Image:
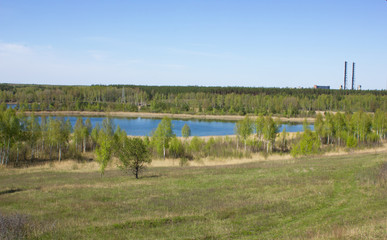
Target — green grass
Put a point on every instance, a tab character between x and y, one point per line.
343	197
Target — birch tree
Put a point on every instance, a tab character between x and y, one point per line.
163	135
244	129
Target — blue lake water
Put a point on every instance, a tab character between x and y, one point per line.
145	126
12	105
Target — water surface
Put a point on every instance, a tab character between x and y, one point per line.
144	126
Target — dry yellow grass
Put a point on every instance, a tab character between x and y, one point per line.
219	161
372	230
76	166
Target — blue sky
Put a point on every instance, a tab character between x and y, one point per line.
208	43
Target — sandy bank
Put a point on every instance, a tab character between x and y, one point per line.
161	115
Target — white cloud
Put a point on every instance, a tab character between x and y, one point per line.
13	48
47	65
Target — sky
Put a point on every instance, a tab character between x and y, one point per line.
247	43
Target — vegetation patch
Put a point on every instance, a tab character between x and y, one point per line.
319	197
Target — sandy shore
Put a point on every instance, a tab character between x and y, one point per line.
161	115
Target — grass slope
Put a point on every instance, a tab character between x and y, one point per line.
339	197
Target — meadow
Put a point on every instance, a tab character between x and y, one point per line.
326	197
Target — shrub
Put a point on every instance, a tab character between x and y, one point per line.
196	144
351	142
176	148
308	144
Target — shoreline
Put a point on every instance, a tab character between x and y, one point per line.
161	115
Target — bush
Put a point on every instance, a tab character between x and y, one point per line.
196	144
176	148
351	142
308	144
209	146
255	145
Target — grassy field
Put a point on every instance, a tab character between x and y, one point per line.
337	197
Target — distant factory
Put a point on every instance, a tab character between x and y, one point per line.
345	87
322	87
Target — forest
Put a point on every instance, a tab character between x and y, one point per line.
192	99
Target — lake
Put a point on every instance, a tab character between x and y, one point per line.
145	126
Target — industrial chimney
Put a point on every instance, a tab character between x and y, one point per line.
345	75
353	76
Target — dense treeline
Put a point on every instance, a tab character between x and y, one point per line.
24	140
192	99
342	130
337	130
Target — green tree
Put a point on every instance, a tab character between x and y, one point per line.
85	136
308	144
94	135
44	124
78	133
176	148
379	123
52	132
283	139
319	125
340	127
108	126
259	125
10	130
62	139
104	149
270	131
88	125
329	127
87	133
244	129
361	124
119	136
186	131
58	134
134	155
34	134
163	135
